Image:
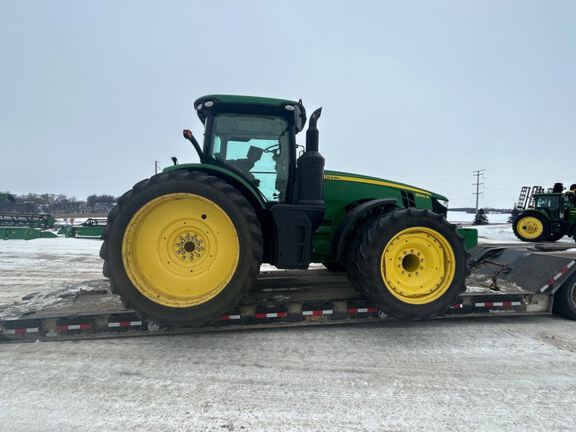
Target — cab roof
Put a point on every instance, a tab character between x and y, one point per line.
238	103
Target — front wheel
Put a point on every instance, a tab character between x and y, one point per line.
411	263
531	227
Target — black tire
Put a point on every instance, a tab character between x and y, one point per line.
364	266
555	237
543	220
354	271
227	198
334	266
565	299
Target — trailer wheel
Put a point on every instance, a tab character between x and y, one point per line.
565	300
531	227
182	248
411	263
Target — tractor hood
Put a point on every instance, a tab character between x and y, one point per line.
375	181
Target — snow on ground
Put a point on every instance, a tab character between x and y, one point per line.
45	265
494	374
460	217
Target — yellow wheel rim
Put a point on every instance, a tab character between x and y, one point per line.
180	250
418	265
530	227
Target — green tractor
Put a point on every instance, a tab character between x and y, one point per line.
184	246
552	216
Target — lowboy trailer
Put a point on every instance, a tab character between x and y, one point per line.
504	281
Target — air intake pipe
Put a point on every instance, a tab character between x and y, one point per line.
310	172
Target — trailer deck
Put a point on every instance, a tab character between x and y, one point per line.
504	281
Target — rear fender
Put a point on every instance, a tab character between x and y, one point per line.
534	212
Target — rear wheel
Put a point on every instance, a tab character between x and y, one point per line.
411	263
182	248
565	300
531	227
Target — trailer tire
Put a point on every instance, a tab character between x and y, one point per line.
182	248
411	263
565	299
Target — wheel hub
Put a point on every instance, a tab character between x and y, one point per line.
189	246
530	227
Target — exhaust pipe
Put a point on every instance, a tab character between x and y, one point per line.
312	134
310	172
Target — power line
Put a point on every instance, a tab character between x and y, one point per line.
73	178
478	174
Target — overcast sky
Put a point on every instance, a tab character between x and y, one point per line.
423	92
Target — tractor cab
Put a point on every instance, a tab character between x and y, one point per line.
557	206
255	138
550	203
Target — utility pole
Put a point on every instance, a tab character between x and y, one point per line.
478	174
156	167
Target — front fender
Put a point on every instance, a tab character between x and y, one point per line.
349	221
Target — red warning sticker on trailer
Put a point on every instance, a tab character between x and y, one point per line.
318	312
122	324
362	310
68	327
498	304
272	315
557	276
21	331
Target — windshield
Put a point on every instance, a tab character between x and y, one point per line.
257	146
547	201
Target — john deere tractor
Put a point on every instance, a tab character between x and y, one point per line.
552	217
184	246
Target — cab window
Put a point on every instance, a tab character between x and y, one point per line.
256	146
547	201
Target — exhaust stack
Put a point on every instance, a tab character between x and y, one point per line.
310	173
312	133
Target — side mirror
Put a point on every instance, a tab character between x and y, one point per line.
190	137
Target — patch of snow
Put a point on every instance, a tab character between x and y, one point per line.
464	218
41	300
